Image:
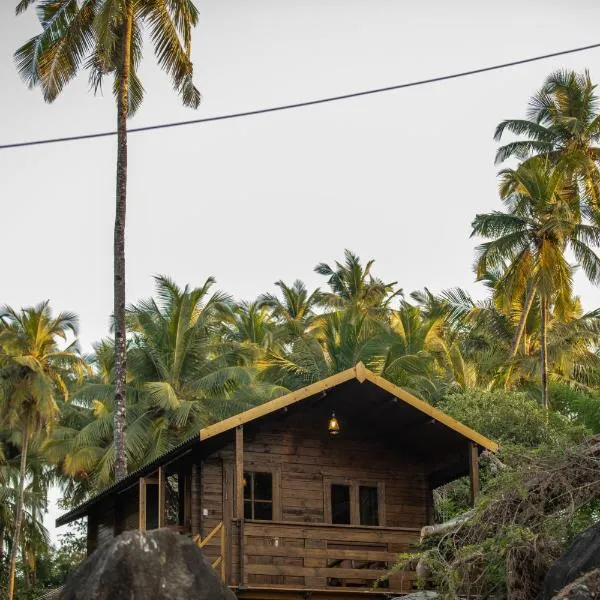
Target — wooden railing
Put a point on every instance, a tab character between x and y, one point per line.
319	556
219	562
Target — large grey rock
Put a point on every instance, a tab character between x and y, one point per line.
154	565
584	588
583	556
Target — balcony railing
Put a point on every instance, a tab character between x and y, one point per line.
318	556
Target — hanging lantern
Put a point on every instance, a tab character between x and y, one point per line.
334	425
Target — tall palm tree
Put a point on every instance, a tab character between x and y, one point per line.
562	125
543	220
105	37
37	372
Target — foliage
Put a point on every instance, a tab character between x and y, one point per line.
521	525
52	566
513	419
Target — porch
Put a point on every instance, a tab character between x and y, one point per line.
277	559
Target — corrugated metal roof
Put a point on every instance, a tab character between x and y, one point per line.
126	482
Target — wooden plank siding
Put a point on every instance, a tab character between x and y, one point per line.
299	548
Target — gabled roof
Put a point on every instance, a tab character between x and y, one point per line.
358	373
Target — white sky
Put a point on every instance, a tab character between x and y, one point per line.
396	177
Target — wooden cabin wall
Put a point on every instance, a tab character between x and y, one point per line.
304	456
303	459
101	524
127	510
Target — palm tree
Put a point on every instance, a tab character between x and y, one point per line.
36	372
181	376
105	37
295	311
543	221
562	125
352	285
249	324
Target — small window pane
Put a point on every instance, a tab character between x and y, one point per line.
369	508
247	509
340	504
258	496
247	486
263	486
263	510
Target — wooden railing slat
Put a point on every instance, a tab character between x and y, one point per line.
220	560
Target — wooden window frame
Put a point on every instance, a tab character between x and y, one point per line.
354	485
276	489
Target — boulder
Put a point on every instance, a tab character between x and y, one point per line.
583	556
153	565
584	588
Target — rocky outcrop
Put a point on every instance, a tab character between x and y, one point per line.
584	588
582	557
153	565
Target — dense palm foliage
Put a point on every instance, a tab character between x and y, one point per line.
35	370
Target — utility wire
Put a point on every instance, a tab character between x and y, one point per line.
262	111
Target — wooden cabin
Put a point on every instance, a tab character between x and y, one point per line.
313	494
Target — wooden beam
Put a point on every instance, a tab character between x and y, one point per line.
361	372
142	504
162	492
474	471
239	473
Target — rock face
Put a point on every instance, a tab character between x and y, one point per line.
584	588
582	557
154	565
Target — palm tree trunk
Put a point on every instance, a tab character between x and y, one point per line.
520	330
19	514
119	252
544	352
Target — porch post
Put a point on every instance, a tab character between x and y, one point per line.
196	509
161	497
474	471
142	505
239	473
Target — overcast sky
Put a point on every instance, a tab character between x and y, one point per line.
397	177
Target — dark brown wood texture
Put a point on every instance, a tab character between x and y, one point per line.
304	460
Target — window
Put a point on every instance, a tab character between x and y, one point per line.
340	504
258	496
349	502
368	505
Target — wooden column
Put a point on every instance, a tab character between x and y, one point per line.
196	500
162	491
474	471
239	474
142	505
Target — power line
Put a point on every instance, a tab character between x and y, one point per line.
262	111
